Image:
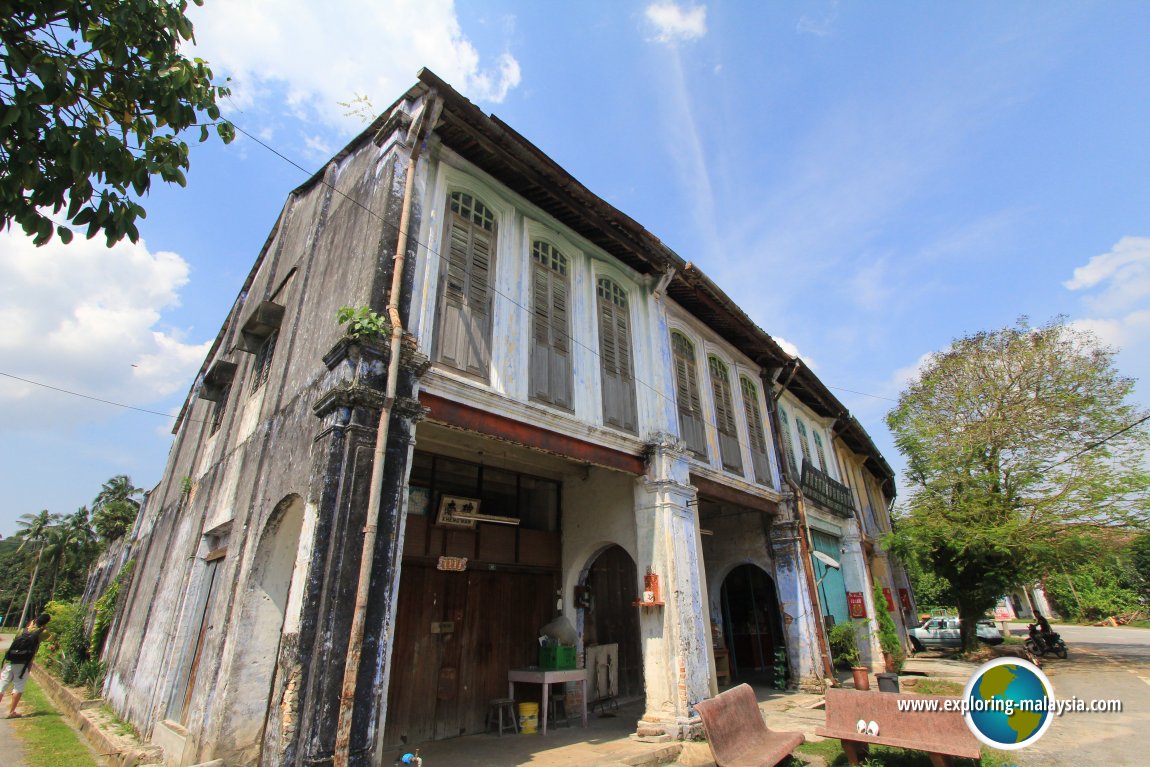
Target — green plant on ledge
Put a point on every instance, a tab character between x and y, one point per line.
362	322
887	633
844	644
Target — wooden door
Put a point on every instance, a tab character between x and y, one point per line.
456	636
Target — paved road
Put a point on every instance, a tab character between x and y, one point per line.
1104	663
11	751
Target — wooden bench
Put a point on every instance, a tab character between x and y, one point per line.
737	733
941	734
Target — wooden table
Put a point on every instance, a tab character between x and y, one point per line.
546	677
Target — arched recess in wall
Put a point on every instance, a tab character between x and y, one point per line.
610	617
752	629
260	630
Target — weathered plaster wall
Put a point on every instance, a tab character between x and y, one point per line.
325	252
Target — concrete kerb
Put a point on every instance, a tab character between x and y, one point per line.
86	716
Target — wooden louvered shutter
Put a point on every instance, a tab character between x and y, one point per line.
551	336
729	450
687	395
804	442
788	444
615	358
757	436
464	340
561	371
819	452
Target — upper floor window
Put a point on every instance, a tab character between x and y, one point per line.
757	437
618	372
550	326
788	443
804	441
691	425
465	311
820	453
263	362
729	449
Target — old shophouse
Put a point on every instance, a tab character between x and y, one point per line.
577	421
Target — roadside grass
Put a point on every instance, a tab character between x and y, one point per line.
883	756
928	686
48	740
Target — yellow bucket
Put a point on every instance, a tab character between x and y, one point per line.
528	718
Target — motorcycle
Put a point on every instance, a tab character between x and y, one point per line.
1041	642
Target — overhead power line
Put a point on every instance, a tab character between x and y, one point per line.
87	396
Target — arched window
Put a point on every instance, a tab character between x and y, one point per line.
757	437
618	373
550	326
725	415
692	428
464	328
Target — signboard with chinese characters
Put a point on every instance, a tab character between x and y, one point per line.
855	604
904	597
889	600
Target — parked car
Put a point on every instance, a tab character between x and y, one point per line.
943	631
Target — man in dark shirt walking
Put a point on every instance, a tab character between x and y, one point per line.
18	660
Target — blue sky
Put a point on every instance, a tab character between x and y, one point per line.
869	180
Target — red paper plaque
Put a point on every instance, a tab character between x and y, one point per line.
889	600
904	597
856	604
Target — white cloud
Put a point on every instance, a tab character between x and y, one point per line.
674	23
905	376
793	350
320	54
87	318
1116	289
1126	271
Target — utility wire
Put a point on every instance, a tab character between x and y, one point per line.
493	289
1100	442
88	396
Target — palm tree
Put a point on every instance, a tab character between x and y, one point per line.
69	543
115	508
34	529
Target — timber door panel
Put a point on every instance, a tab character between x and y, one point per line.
613	618
441	682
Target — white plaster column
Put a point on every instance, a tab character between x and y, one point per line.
676	636
857	578
800	614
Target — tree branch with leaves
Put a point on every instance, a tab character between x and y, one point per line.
93	99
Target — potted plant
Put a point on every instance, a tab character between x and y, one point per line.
844	646
893	652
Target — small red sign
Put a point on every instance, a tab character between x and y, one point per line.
889	600
452	564
904	597
855	604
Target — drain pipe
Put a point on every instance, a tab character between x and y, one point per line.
341	756
801	510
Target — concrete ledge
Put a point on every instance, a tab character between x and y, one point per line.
85	716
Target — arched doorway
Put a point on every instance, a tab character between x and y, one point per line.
612	618
262	621
751	623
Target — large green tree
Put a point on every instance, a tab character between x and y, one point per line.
93	98
1019	443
